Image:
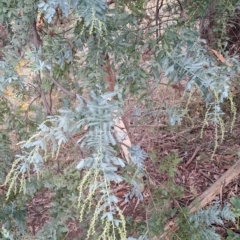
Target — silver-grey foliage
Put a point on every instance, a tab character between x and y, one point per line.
201	223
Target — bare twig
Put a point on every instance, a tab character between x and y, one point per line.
50	98
26	113
43	96
206	176
193	156
180	5
73	95
157	16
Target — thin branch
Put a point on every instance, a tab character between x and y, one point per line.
156	18
158	7
26	113
193	156
206	176
50	98
180	5
43	96
73	95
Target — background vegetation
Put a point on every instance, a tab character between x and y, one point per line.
86	88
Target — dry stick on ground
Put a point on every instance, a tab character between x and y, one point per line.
206	176
193	156
205	197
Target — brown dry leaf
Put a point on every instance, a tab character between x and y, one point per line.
215	176
229	158
218	158
121	193
220	57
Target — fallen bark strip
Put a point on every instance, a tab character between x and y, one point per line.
121	130
205	197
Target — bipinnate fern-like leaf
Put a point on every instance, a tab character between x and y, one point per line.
138	156
93	120
227	213
201	223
